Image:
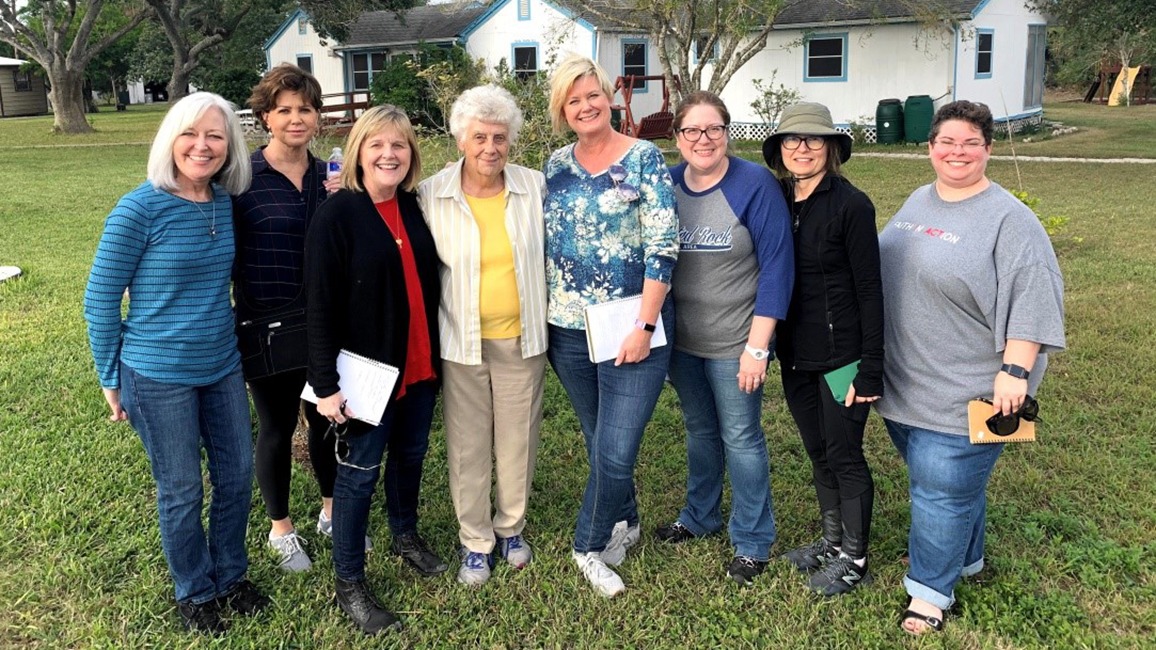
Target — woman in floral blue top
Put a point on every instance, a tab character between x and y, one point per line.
611	232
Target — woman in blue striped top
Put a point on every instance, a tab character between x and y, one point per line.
171	366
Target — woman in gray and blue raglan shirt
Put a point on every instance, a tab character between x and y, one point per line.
974	305
171	366
731	286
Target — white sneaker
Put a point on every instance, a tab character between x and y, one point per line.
621	538
293	556
325	527
604	579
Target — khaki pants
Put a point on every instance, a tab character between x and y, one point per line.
492	414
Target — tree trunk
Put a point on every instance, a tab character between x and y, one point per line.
68	101
179	82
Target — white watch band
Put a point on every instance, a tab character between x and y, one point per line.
758	354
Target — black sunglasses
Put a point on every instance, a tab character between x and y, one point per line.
1005	425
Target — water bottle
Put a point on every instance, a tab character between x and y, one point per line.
336	159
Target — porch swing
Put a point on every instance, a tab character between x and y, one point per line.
655	126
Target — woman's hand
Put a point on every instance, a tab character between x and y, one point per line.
852	398
1008	393
333	408
752	372
332	184
112	396
635	348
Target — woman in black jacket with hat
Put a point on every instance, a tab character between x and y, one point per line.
831	345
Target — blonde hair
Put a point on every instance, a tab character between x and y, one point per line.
370	123
568	72
234	175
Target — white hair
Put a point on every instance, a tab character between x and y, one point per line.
234	175
488	103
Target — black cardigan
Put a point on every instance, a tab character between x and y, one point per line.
355	285
836	313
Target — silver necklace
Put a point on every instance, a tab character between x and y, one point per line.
212	223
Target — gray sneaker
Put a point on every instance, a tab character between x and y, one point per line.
475	569
293	556
515	550
621	539
325	527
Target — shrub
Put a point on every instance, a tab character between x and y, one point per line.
770	101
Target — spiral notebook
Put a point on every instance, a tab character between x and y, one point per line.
609	323
977	414
365	383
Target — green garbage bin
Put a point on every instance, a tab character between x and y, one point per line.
917	113
889	121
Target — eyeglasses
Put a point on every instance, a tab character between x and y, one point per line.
694	134
1005	425
947	144
792	142
626	191
341	446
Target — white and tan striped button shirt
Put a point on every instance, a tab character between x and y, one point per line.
458	242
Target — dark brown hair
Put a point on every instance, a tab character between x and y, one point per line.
283	77
700	97
974	113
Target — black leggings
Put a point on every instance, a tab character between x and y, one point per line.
833	437
277	399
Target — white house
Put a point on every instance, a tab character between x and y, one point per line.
21	92
848	58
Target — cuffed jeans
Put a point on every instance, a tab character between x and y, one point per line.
174	422
404	430
723	423
613	405
948	487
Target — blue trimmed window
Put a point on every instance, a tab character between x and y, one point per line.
525	58
700	45
634	61
523	9
302	25
363	65
305	62
825	58
984	53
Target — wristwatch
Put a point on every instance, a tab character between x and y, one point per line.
758	354
643	325
1019	372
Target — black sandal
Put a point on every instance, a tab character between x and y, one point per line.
933	623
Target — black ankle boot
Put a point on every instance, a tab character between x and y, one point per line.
358	603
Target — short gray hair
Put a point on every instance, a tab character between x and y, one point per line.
234	175
488	103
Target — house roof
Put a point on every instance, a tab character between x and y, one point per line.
5	61
812	12
429	23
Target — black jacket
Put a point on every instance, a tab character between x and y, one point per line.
836	313
355	285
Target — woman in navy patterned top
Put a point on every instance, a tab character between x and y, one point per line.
611	232
171	367
271	220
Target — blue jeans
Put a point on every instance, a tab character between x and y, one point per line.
948	487
723	423
613	405
405	431
174	422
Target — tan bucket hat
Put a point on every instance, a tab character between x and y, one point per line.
806	118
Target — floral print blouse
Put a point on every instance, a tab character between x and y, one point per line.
606	232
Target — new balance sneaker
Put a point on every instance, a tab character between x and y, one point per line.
290	547
475	568
674	533
594	568
812	557
515	550
325	527
744	569
621	539
204	618
839	576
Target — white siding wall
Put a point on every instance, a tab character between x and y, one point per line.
1004	91
551	31
645	101
327	66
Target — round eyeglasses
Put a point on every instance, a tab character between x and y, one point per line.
694	134
792	142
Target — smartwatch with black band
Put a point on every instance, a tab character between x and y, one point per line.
1019	372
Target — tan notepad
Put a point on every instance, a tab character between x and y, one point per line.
977	414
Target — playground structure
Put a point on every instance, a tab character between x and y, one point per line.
1105	84
655	126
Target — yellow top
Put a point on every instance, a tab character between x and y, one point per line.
498	286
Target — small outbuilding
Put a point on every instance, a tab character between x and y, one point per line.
21	92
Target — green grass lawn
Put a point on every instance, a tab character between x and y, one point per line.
1071	518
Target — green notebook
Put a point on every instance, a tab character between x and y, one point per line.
840	380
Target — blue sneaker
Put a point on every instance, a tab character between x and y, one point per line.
515	550
475	569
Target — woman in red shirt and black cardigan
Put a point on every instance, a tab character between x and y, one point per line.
372	284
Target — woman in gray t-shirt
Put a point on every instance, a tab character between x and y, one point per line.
974	304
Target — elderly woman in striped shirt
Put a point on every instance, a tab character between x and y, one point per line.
486	218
